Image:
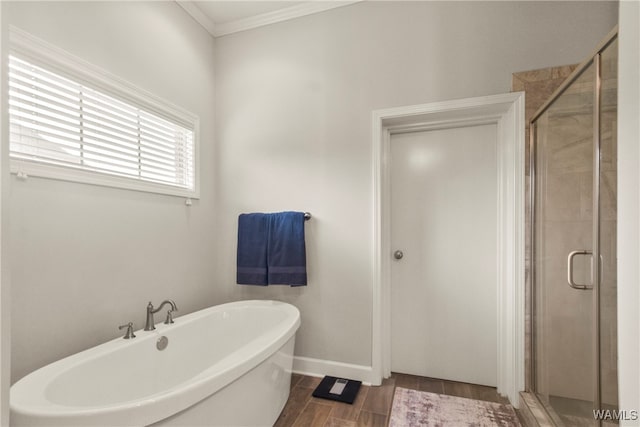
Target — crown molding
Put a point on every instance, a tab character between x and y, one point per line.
197	14
263	19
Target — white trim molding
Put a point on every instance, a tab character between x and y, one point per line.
320	368
251	22
506	111
200	17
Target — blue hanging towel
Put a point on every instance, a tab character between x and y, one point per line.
286	255
253	236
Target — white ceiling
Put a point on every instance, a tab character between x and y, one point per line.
221	17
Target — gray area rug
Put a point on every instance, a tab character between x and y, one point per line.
418	408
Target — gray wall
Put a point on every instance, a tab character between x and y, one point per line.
85	259
293	119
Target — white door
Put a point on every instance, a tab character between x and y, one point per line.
444	283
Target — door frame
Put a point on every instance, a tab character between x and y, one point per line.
506	111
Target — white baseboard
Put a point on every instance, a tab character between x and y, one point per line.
320	368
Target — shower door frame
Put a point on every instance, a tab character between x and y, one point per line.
595	60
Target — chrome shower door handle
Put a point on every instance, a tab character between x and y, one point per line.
573	284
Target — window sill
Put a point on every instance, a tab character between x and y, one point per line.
23	169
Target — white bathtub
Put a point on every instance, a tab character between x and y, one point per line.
228	365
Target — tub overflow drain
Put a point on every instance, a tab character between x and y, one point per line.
162	343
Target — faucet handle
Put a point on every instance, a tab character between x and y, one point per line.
169	319
129	333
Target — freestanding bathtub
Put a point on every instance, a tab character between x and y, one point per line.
227	365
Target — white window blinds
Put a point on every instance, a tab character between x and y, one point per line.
61	122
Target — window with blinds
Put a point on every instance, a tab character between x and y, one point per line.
62	123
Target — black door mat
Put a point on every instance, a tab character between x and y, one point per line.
339	389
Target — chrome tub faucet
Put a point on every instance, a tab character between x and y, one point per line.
150	324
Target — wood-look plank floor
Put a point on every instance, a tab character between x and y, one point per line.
372	406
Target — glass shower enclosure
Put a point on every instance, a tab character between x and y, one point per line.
573	219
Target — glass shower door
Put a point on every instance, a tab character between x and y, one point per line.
574	331
563	243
